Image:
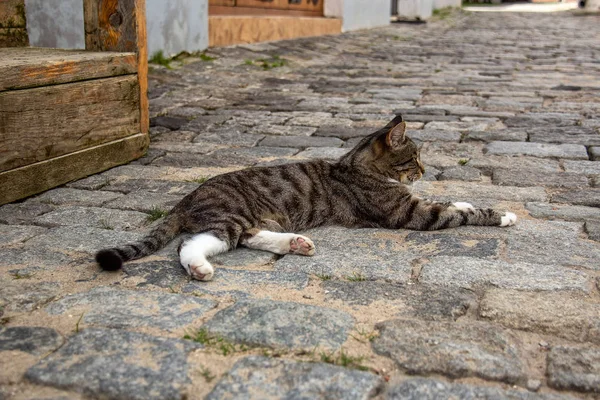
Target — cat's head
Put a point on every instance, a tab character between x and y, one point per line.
389	152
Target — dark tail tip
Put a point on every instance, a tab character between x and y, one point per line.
109	260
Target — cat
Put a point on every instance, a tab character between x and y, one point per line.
261	207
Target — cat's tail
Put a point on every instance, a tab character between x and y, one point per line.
112	259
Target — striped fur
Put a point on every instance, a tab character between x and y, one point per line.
365	188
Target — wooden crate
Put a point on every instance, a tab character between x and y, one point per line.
68	114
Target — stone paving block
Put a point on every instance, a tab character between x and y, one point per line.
428	244
505	135
421	301
81	239
94	182
203	122
169	122
551	243
117	364
429	135
241	283
326	153
470	192
93	217
165	274
173	137
21	295
23	213
34	256
146	201
457	350
117	308
462	126
593	230
13	234
231	135
341	253
75	197
279	324
462	173
226	157
33	340
569	213
569	151
537	119
570	315
504	177
594	152
582	167
241	257
345	132
317	119
198	148
574	368
258	377
487	164
564	134
467	272
153	186
433	389
301	141
582	197
283	130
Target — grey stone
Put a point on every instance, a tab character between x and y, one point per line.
23	213
570	315
172	123
467	272
226	157
197	148
232	135
431	173
594	153
243	257
471	192
317	119
582	167
173	137
593	230
242	284
433	389
165	274
258	377
428	244
429	135
151	155
76	197
33	340
504	177
569	151
301	141
94	182
34	256
20	295
326	153
82	239
117	308
574	368
564	134
488	163
463	173
106	363
13	234
537	119
283	130
279	324
203	122
430	118
461	126
583	197
421	301
505	135
344	132
569	213
452	349
93	217
551	243
368	253
145	201
153	186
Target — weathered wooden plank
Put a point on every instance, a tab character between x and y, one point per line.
42	123
227	3
36	178
31	67
142	41
13	32
111	25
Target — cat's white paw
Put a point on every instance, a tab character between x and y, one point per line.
202	271
194	262
508	219
462	206
302	245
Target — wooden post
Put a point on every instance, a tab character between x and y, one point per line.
13	30
120	25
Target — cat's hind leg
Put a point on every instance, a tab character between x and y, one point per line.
278	242
193	254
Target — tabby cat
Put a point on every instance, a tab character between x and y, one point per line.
258	207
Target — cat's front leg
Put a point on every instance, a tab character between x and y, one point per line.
508	219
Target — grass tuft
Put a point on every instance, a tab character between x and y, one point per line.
216	342
206	57
356	277
18	275
463	161
200	180
344	360
160	59
324	277
156	213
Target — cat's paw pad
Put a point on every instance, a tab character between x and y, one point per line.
462	206
201	271
508	219
302	245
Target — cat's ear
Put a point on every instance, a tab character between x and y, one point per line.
396	135
397	119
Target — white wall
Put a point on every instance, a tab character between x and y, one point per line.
55	23
177	25
359	14
446	3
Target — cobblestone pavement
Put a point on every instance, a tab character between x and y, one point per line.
507	107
